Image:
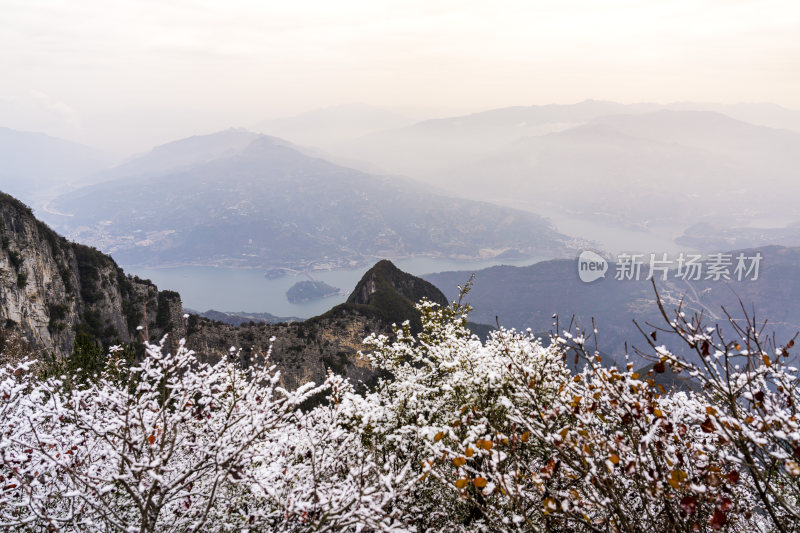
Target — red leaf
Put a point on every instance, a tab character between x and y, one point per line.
707	426
726	504
689	504
719	519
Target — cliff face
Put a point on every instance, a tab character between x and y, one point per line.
51	288
302	351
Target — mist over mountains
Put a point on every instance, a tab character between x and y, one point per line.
329	189
659	168
181	154
438	142
239	199
329	127
635	166
34	165
646	168
710	237
400	266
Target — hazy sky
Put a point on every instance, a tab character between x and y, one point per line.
125	74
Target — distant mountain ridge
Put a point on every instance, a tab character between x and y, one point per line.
266	204
641	165
183	153
528	297
332	125
240	317
711	237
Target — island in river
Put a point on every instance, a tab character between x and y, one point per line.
308	291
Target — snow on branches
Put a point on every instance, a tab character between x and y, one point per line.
496	435
168	445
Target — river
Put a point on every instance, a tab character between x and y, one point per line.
232	289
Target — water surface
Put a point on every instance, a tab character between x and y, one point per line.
232	289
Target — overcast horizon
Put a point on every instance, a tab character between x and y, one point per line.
124	76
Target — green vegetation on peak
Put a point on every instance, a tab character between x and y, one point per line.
384	275
393	293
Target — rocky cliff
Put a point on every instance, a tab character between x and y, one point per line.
303	351
51	288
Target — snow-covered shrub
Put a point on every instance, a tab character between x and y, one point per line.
444	408
324	473
495	435
169	447
503	436
750	395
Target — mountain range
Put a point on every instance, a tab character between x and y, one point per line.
601	171
630	165
332	126
598	168
712	237
237	318
245	200
530	297
51	290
